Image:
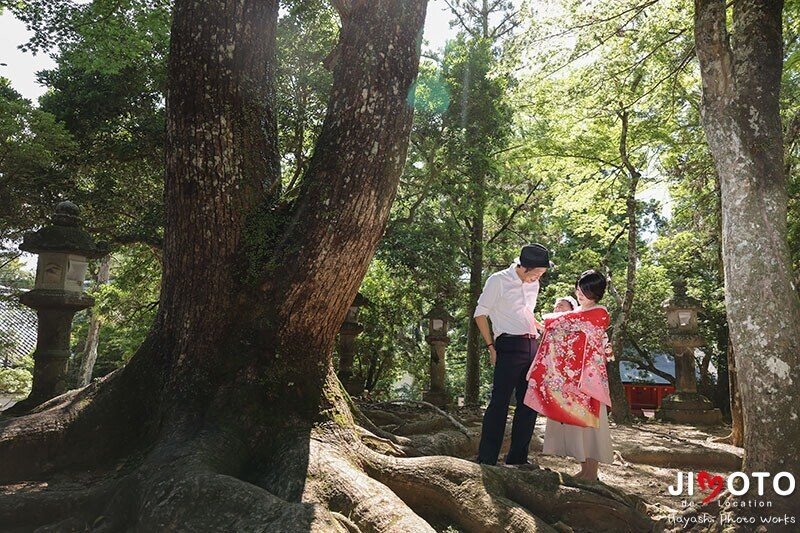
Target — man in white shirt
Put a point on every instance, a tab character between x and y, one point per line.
509	299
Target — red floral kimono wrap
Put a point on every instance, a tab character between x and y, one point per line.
567	380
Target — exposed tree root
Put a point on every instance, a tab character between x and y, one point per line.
441	413
422	428
447	489
63	432
448	442
382	417
384	446
451	491
480	498
344	488
684	459
206	501
347	487
29	443
372	429
330	476
28	507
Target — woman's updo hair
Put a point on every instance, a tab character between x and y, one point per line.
592	284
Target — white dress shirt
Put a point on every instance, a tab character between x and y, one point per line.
509	303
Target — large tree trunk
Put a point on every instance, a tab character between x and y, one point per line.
740	113
229	417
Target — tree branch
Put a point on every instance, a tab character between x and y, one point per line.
713	50
646	362
638	8
461	20
514	212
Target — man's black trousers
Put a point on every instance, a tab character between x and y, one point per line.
514	358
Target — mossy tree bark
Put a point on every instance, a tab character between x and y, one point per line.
229	416
741	73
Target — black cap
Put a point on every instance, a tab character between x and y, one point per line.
535	255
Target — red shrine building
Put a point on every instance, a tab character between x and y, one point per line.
644	389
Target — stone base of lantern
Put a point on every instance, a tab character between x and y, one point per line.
439	398
689	408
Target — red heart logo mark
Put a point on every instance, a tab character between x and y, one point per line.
707	481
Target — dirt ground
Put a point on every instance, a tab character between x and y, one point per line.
650	480
648	456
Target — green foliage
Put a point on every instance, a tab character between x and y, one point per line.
519	125
126	307
106	35
393	340
263	232
307	32
16	381
12	273
790	110
648	328
33	146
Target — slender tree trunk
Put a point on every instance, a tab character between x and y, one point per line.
377	365
720	392
481	139
93	336
474	341
734	398
740	113
620	409
704	386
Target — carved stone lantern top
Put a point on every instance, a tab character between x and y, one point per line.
679	296
63	235
64	250
682	316
438	321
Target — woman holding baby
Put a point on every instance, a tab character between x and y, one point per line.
567	381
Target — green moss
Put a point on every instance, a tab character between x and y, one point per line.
342	421
264	227
337	404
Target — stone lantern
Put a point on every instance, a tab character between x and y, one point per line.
438	325
64	251
347	335
685	405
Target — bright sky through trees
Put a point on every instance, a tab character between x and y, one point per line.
21	67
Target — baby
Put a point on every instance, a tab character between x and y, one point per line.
564	304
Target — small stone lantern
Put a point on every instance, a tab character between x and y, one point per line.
682	311
347	334
439	321
64	251
685	405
